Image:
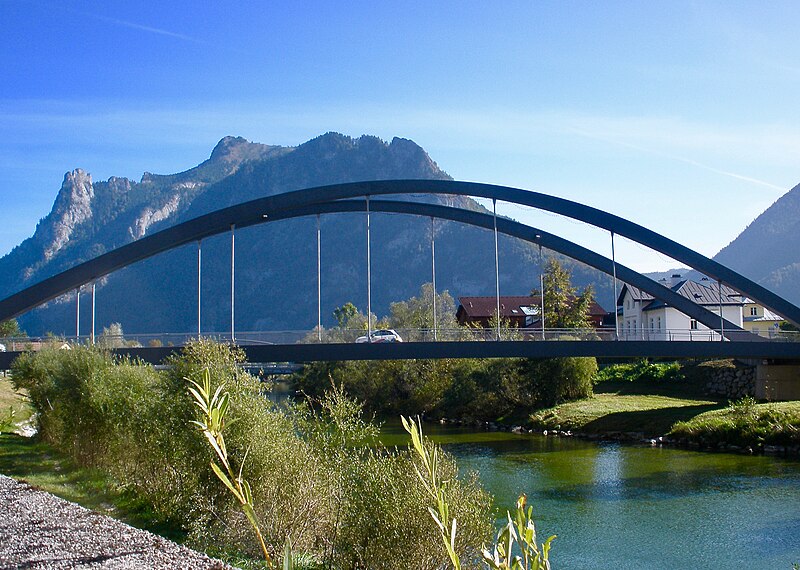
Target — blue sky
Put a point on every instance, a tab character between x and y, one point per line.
680	115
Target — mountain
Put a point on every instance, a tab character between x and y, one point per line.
768	250
275	262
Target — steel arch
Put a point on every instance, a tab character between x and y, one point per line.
259	210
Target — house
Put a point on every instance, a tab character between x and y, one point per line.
522	312
759	320
643	317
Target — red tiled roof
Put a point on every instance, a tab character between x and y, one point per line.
485	307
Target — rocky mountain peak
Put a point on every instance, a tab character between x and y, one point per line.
406	151
72	207
233	151
228	146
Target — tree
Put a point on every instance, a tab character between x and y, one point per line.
563	307
112	336
417	312
348	318
10	329
345	314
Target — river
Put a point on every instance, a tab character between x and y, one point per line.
625	507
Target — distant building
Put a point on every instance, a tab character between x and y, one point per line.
522	312
641	316
759	320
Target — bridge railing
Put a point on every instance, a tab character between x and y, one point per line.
335	335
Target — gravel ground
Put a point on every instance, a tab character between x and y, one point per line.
39	530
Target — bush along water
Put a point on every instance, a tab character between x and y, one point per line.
311	481
469	389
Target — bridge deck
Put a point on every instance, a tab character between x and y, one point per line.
774	350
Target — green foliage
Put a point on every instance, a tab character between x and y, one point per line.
417	312
388	388
311	481
10	329
563	306
213	409
508	331
472	389
557	380
345	314
8	421
520	530
641	371
112	336
743	423
436	488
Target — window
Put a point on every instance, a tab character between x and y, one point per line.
753	312
659	323
693	324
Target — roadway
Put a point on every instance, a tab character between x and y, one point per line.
770	350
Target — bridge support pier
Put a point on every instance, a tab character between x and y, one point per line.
778	381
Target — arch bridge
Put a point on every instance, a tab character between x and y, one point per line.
361	197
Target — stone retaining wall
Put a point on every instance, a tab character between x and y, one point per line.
733	382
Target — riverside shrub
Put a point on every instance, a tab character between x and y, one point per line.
470	389
315	483
641	371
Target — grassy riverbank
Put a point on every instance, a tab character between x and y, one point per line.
42	466
678	409
745	423
646	399
13	408
650	415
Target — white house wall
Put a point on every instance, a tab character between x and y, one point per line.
635	324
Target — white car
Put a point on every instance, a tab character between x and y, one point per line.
383	335
2	348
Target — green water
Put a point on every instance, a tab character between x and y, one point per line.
619	506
